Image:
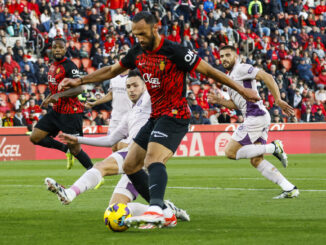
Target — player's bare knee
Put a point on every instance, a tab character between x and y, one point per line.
229	153
74	149
34	138
255	161
107	168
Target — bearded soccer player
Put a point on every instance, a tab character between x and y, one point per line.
128	128
249	140
164	66
67	111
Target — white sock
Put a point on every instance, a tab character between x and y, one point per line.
250	151
137	208
87	181
156	209
270	172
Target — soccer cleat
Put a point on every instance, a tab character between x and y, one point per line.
148	220
70	159
170	222
279	153
99	184
179	213
288	194
57	189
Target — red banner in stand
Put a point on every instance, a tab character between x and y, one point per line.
202	140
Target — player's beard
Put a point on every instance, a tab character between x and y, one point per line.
151	43
230	65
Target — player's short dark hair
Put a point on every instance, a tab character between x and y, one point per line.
60	38
147	16
134	73
229	47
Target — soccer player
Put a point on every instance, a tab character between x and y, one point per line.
67	111
112	165
121	103
164	66
249	140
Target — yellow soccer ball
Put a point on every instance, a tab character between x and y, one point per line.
115	216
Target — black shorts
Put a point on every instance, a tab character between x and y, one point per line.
53	122
167	131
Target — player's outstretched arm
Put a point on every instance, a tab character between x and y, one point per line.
215	98
104	99
207	70
272	86
99	75
67	93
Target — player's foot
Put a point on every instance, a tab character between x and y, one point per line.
57	189
171	222
70	159
288	194
148	220
279	153
99	184
179	213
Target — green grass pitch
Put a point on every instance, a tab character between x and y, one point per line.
229	203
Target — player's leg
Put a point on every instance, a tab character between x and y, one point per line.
42	131
112	165
75	127
164	139
270	172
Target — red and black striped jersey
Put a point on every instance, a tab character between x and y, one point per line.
164	71
57	72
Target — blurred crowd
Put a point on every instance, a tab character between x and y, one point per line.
285	38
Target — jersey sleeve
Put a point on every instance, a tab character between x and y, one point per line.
246	72
185	59
129	60
72	70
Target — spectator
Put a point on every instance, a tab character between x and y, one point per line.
255	7
224	117
99	120
198	119
4	107
19	119
10	64
307	116
276	114
321	93
318	117
305	73
7	121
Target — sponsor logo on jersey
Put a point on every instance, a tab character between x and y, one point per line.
154	82
174	111
58	70
162	65
190	57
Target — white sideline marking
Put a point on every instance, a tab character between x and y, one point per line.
181	187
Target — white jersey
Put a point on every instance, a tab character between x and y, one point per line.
121	103
245	75
132	122
128	127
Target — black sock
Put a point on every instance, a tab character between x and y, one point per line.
49	142
84	159
140	182
158	179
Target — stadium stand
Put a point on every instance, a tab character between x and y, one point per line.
285	38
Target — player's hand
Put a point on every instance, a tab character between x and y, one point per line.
214	98
89	104
51	99
68	139
286	108
67	83
250	95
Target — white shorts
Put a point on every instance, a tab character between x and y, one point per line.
125	187
253	130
